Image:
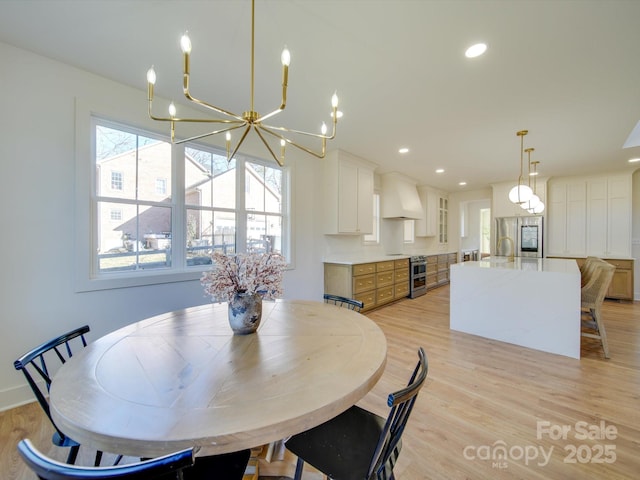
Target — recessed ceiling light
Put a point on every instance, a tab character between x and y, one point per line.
462	184
475	50
403	150
440	170
634	160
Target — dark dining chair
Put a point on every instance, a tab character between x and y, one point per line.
168	467
349	303
38	367
358	444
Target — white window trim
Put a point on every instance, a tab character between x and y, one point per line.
134	117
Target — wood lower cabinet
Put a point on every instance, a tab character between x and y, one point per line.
438	269
401	278
621	287
622	282
374	284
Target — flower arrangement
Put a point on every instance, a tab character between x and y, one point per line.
250	273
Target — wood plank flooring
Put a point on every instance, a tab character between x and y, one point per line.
482	398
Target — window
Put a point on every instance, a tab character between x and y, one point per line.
485	231
409	231
116	215
179	203
161	186
116	181
374	238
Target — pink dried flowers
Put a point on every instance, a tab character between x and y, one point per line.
259	273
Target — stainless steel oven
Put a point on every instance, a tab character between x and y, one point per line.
418	276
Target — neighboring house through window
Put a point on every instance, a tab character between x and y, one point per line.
178	204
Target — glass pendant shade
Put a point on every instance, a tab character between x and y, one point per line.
539	208
533	202
520	194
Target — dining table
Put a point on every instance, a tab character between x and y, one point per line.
182	379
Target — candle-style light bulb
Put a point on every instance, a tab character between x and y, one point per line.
185	44
151	76
334	100
172	110
285	57
323	129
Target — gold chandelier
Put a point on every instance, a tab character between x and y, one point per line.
249	120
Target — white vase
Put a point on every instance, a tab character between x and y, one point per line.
245	313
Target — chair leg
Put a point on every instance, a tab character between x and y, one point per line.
601	331
73	454
98	459
299	467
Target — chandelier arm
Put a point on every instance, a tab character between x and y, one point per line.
268	115
244	135
266	144
208	134
204	104
291	142
300	132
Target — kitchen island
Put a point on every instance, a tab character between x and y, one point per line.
531	302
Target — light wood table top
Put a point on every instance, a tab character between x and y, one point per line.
182	379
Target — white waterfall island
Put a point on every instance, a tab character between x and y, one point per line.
532	302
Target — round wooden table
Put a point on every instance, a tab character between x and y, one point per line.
182	379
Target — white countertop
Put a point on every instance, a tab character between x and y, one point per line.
555	265
354	259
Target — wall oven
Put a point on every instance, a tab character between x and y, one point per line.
418	276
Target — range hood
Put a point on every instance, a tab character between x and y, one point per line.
400	197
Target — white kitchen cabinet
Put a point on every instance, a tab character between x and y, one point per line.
609	216
434	221
348	194
590	216
567	219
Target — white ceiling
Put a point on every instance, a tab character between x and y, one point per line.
568	71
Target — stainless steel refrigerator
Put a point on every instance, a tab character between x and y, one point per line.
518	236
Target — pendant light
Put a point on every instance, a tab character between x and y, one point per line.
521	193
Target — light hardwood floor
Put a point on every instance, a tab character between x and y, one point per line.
480	395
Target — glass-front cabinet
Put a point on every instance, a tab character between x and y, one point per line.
443	220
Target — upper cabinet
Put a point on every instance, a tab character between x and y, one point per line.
609	216
590	216
567	219
434	221
348	194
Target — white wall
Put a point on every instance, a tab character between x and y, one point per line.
37	185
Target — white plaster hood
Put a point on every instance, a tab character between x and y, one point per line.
400	197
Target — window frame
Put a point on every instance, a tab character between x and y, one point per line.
87	278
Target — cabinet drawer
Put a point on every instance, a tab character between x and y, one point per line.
443	259
432	268
401	290
443	277
402	275
383	279
404	263
384	266
384	295
368	299
621	264
364	283
453	258
364	269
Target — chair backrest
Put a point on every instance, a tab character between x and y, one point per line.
593	293
39	364
401	403
168	467
349	303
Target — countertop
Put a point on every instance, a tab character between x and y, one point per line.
555	265
354	259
